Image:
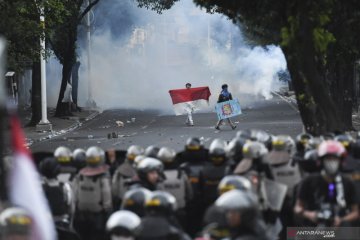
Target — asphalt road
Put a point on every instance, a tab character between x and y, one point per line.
275	116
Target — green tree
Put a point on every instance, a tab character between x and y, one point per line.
63	41
21	27
319	40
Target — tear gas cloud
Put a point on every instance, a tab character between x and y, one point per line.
135	63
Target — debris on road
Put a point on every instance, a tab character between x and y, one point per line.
120	123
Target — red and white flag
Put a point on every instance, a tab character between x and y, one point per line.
24	186
185	100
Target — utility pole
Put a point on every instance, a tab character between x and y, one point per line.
90	102
44	124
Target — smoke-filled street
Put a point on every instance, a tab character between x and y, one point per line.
179	120
275	116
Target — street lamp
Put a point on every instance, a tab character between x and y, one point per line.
44	124
90	103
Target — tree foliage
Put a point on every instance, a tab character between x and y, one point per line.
21	27
319	40
21	30
156	5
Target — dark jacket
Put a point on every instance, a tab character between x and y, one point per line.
223	98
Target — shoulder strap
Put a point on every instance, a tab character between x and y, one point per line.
340	196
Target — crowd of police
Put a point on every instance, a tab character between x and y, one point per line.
251	187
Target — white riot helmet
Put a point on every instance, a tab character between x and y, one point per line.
161	202
231	182
95	156
151	151
133	151
123	224
254	150
63	155
283	143
15	221
166	155
240	202
217	151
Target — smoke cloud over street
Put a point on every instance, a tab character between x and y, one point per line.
139	55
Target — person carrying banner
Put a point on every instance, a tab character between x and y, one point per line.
224	96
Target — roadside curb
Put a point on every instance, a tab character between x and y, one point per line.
290	100
78	123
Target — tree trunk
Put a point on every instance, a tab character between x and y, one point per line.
75	81
62	109
35	95
317	108
342	77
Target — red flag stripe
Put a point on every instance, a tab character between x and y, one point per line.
187	95
18	139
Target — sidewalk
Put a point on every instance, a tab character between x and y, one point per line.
60	126
289	96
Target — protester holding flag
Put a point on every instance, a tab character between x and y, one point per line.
186	101
224	96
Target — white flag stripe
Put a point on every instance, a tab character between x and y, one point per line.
26	191
185	107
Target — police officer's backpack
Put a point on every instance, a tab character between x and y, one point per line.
90	197
56	196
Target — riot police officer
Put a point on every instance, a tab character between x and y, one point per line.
254	167
194	152
149	174
63	156
214	172
79	159
177	182
234	152
194	158
93	195
285	171
254	153
60	196
242	215
159	222
124	173
214	218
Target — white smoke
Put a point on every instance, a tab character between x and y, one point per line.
184	44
